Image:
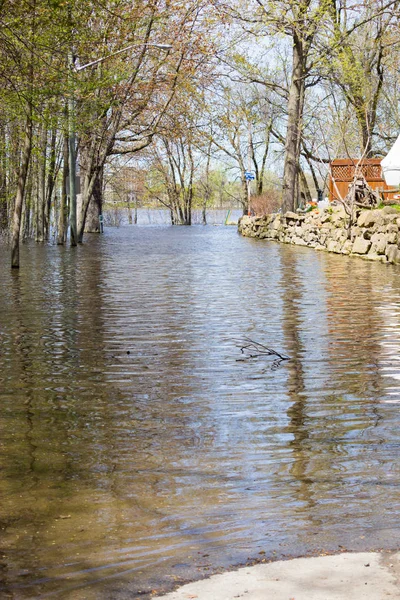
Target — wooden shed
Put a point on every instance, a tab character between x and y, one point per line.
342	172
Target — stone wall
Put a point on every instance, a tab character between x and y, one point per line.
375	234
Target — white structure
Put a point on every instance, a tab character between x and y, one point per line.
391	165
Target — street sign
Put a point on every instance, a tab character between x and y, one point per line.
249	175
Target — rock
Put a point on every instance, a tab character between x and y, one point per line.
339	209
299	231
361	245
392	218
338	219
389	210
334	246
291	216
299	241
355	232
370	217
379	242
393	254
392	238
245	220
347	246
337	234
374	235
277	224
372	256
325	217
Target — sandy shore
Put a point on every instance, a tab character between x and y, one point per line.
347	576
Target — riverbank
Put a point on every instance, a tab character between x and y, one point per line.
375	234
347	576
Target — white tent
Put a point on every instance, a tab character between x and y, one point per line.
391	165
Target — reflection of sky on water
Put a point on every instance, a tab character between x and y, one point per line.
390	344
135	438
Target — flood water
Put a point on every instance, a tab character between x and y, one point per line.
138	449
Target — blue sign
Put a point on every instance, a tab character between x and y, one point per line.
249	175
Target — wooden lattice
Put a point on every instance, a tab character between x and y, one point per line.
344	170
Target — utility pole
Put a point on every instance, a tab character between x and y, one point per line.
248	178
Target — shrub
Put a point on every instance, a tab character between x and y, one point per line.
269	202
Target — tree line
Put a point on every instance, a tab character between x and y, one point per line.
271	86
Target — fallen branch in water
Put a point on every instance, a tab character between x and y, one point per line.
252	349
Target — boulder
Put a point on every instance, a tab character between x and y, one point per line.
392	238
379	242
338	218
245	220
277	224
337	234
361	245
347	246
392	228
392	218
299	241
393	253
299	231
355	232
291	216
389	210
334	246
368	218
372	256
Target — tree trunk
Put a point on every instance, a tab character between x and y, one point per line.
88	187
3	179
95	207
41	195
63	214
26	224
366	149
51	175
136	213
294	126
128	204
304	188
23	172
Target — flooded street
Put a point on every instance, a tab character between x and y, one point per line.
139	448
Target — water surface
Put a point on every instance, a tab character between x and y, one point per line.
139	449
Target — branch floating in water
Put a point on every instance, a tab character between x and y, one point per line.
252	349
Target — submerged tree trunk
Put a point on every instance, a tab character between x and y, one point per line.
26	224
128	204
51	177
3	179
63	211
88	187
41	191
95	207
19	198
